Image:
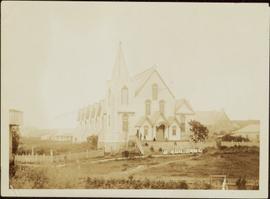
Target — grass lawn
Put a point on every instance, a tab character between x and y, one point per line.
188	168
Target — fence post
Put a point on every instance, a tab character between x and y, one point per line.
51	153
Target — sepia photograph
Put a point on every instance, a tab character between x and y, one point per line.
135	99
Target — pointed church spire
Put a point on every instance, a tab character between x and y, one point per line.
120	72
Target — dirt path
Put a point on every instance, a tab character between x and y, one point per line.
141	168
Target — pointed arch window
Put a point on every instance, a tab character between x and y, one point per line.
161	106
147	107
154	91
125	123
124	95
174	130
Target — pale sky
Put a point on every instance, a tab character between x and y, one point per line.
57	56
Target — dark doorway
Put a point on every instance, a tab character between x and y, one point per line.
160	132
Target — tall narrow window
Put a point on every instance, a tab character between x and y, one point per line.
154	91
147	107
124	95
174	130
109	120
161	106
125	123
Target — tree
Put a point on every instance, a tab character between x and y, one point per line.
199	131
15	145
15	141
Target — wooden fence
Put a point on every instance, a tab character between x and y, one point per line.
58	158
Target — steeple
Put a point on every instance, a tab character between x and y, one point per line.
120	72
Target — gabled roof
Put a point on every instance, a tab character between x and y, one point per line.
172	119
155	116
183	102
211	117
142	120
141	79
252	128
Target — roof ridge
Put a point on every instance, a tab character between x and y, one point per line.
147	70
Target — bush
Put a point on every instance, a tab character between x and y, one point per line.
152	149
30	178
230	138
131	183
93	141
125	154
160	149
146	144
241	183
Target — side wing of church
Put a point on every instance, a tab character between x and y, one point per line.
142	106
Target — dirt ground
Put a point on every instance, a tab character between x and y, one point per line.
190	168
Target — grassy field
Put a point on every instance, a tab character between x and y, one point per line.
194	170
44	146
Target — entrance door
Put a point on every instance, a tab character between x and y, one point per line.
161	132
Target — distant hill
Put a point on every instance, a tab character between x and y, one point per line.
244	123
36	132
216	121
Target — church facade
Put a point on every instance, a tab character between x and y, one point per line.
141	105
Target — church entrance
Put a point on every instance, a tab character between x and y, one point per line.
160	132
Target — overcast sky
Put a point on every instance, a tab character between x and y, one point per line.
57	56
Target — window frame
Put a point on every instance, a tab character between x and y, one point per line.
154	91
148	107
125	124
174	130
124	95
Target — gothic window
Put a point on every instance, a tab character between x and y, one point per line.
109	120
154	91
147	107
161	106
174	130
124	95
125	123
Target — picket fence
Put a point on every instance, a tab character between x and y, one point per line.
57	158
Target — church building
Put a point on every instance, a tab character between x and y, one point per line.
141	106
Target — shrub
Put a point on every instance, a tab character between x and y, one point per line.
93	141
230	138
125	153
130	177
146	144
130	183
30	178
152	149
160	149
241	183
